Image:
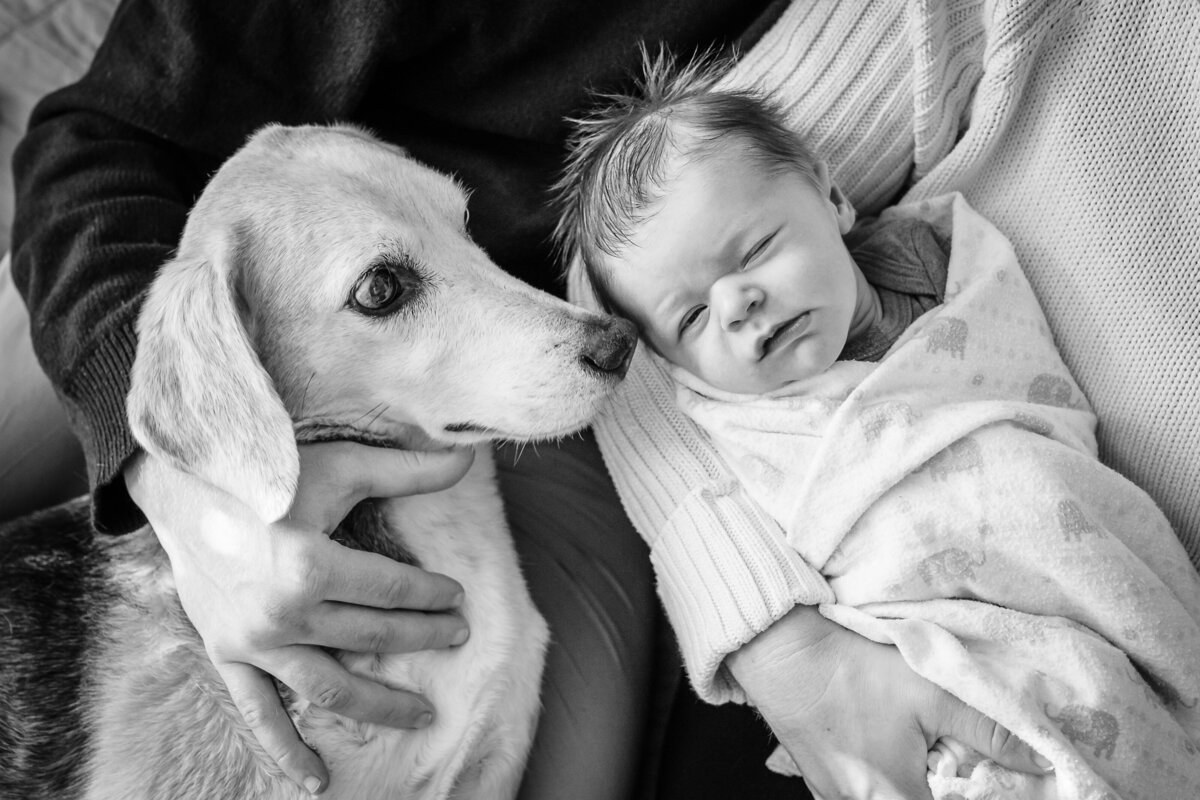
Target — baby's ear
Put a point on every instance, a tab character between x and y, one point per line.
843	210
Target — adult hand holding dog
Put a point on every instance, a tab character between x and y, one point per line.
853	715
267	597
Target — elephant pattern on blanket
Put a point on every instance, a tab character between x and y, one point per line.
1091	727
952	496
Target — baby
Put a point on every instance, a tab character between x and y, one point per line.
890	393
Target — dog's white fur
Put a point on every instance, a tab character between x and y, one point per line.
247	340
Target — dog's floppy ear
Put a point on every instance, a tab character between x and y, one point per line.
199	396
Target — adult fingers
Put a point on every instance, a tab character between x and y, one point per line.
989	738
253	693
393	473
362	630
334	476
319	678
370	579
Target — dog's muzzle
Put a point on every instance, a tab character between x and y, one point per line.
609	346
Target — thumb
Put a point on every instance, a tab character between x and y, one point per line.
399	473
335	476
993	740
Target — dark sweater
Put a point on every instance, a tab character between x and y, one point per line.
110	165
907	261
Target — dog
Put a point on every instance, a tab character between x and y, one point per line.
324	288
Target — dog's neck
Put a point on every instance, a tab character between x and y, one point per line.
400	436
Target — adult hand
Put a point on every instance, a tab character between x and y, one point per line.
855	718
266	598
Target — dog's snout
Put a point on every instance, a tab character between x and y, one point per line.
610	346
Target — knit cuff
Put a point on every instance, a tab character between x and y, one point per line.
725	574
95	398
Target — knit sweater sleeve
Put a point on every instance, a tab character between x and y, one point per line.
847	76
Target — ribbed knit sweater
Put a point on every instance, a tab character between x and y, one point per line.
1075	128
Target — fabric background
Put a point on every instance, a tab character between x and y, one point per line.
44	44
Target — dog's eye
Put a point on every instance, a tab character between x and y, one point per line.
380	290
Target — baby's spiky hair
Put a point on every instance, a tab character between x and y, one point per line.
619	153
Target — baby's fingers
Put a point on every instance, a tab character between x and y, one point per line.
253	693
992	739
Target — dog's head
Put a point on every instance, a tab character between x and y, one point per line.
325	282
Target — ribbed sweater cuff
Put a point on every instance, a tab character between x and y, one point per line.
95	394
720	591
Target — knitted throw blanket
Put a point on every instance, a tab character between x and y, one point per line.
952	496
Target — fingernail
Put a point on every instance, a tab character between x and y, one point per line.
1043	762
460	635
457	601
312	785
425	720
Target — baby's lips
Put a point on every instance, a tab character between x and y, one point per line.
795	325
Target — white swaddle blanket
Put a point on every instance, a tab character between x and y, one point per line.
952	496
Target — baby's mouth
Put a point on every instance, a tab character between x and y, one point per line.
782	334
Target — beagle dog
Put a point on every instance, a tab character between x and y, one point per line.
325	287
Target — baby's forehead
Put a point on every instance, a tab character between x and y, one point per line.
699	156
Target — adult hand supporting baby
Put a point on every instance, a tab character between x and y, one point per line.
855	718
266	598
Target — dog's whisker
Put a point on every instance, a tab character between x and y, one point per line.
372	410
382	408
304	395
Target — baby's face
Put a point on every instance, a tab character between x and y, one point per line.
739	277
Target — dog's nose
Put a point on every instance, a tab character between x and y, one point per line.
610	346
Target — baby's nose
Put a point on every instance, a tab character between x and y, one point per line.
736	304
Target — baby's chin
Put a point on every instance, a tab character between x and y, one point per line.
753	383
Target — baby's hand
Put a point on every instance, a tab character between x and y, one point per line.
950	758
